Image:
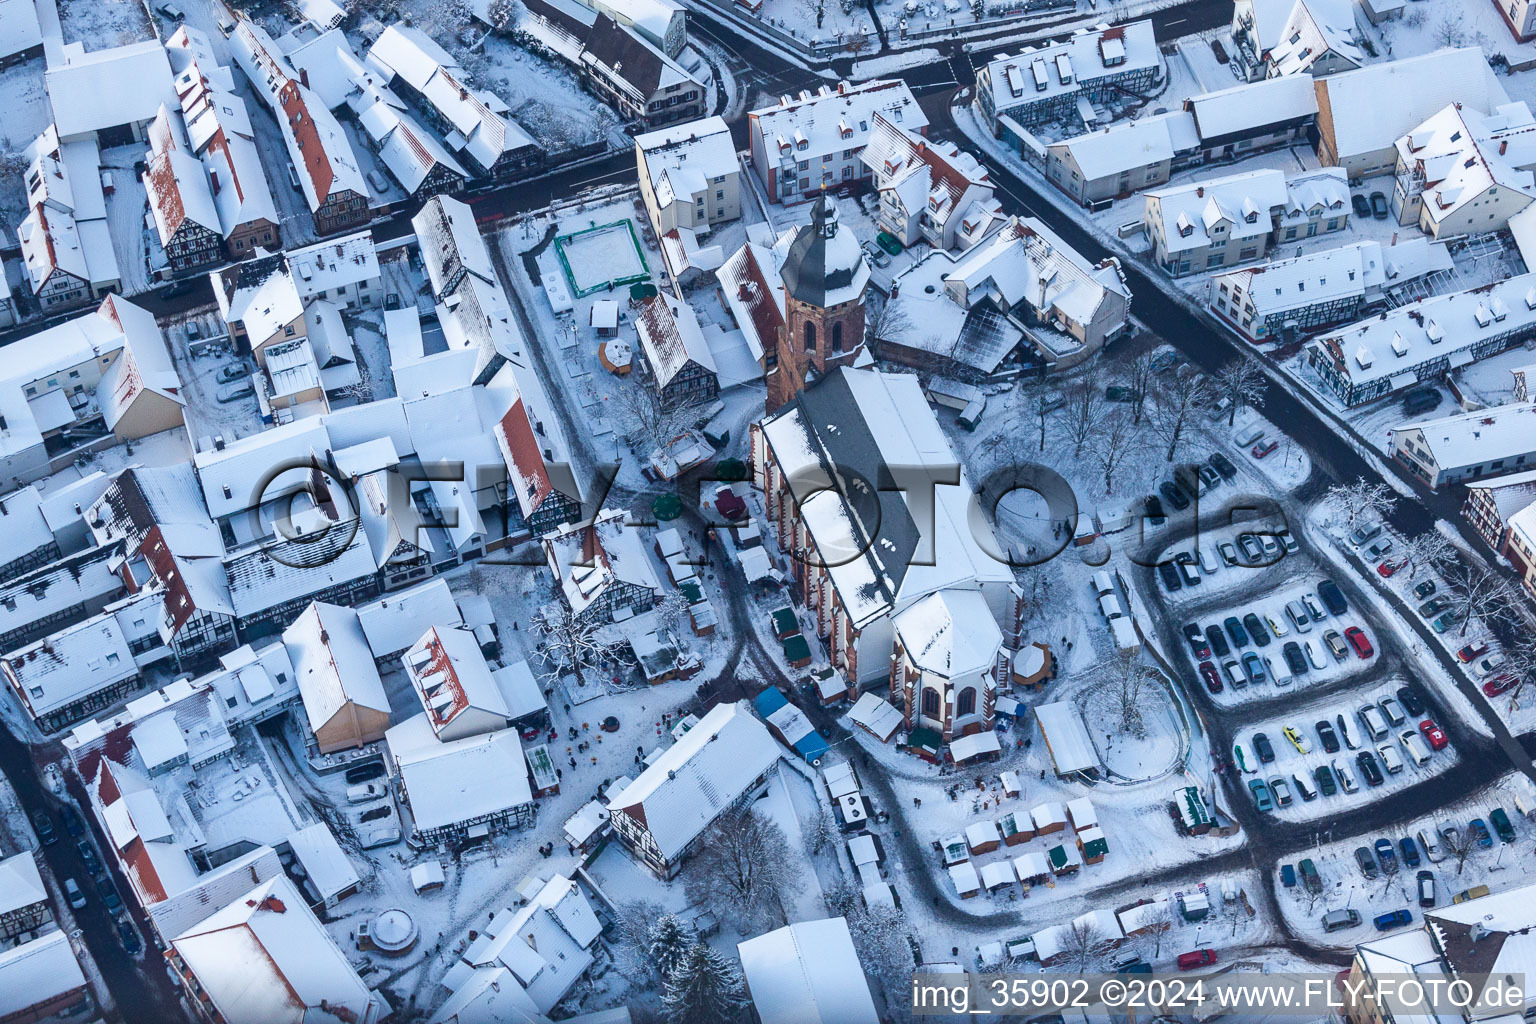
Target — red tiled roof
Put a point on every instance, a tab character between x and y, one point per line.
756	295
442	665
316	164
520	449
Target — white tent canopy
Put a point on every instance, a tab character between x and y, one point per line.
977	744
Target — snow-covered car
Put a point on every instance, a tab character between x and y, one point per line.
231	373
1393	710
1228	552
1346	780
1315	655
1361	534
1391	759
1482	668
235	392
1276	625
1313	611
1282	791
379	835
1235	674
1297	739
367	792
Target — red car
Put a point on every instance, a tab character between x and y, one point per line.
1472	651
1388	568
1264	448
1498	685
1196	958
1212	680
1434	734
1357	639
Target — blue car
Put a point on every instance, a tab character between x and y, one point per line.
1396	919
1386	855
1410	851
1479	830
1253	666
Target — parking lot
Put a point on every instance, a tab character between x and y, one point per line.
1316	752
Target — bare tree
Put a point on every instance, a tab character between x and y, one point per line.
1354	502
1429	551
650	422
1520	661
1118	438
743	866
1042	417
1461	844
886	319
1129	680
1478	590
816	9
857	43
1140	375
1158	926
671	610
631	942
571	643
1185	390
1243	382
1081	414
821	831
1450	30
1082	944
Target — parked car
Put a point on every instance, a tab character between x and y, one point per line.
130	938
1379	549
1389	568
1338	920
1423	590
1433	849
1346	780
72	823
1253	666
1379	208
381	835
1372	720
1218	641
1426	880
1317	614
1433	734
1443	622
1210	677
88	855
1361	204
1276	625
1499	818
1315	656
1262	747
1358	640
1264	449
366	792
1482	668
1245	436
1391	760
1409	851
1252	550
1228	552
1477	892
1196	958
1333	598
1294	659
230	373
1325	782
1327	737
1295	611
1282	791
1393	710
1154	507
1349	741
1386	855
73	893
1433	607
1261	797
1288	876
1479	830
1256	629
1498	685
1119	393
1223	465
1360	534
1393	919
1304	788
1367	762
234	392
1235	631
1235	675
1415	747
1209	477
1476	649
1175	497
1310	879
1287	541
1411	701
44	828
1172	578
1195	637
1366	862
109	897
365	772
1297	739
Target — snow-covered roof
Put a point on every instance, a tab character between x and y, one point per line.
91	92
1313	29
335	263
1371	107
1441	326
266	959
876	714
950	633
592	555
669	332
1310	194
333	663
833	119
928	176
409	151
1251	107
1482	436
20	883
1326	275
807	973
23	528
1510	494
37	972
682	160
1133	144
1461	154
178	189
446	782
1246	201
754	293
19	28
70	664
451	676
1099	53
1066	737
231	475
326	866
540	951
822	263
1523	523
1492	935
699	776
390	622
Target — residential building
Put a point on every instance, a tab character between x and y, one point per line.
1424	340
24	902
1245	119
1298	296
443	782
721	764
180	199
1491	503
824	274
221	136
1316	203
964	316
1520	546
1123	158
752	291
105	369
1476	940
327	168
1468	445
1045	83
415	158
638	80
1362	113
872	425
72	673
678	365
805	144
1465	173
59	594
343	696
1520	16
454	683
26	540
944	670
807	971
929	191
1279	38
690	178
602	567
111	95
537	951
266	959
476	123
66	245
21	35
662	23
42	980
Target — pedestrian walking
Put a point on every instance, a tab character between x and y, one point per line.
573	765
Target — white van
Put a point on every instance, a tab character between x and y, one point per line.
1373	720
1298	616
1391	760
1417	749
1279	671
1432	847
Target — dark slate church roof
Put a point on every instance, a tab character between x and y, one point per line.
824	264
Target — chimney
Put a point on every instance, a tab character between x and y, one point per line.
304	76
215	176
1503	146
1200	192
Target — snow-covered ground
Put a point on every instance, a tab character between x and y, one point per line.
101	26
198	370
544	97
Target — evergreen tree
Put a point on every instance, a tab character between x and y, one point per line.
670	942
705	988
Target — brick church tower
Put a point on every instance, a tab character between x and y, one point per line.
825	275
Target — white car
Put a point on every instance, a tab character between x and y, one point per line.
1315	656
366	792
1391	760
1482	668
1346	780
382	835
